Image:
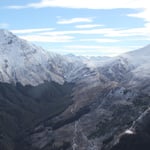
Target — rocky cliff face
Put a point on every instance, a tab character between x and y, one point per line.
70	104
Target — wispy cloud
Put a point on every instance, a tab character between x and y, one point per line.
93	4
90	4
143	14
110	35
47	39
142	5
23	31
85	26
103	31
4	25
101	40
18	7
74	20
106	32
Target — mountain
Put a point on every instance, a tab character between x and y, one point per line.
106	102
26	63
54	102
34	86
114	103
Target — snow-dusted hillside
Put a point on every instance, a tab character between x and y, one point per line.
141	60
23	62
131	66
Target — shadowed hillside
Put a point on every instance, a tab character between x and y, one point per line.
23	107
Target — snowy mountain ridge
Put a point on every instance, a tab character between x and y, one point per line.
21	61
24	62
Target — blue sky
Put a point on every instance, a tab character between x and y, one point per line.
81	27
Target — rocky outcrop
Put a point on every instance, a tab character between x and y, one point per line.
138	136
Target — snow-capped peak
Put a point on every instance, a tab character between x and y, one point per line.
23	62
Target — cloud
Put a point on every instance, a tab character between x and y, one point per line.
102	40
17	7
106	32
93	4
85	26
23	31
102	31
110	35
4	25
142	5
47	39
143	14
74	20
90	4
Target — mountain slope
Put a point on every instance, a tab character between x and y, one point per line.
110	103
103	101
28	75
21	61
24	62
138	136
23	107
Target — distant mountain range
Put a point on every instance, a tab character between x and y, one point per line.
55	102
